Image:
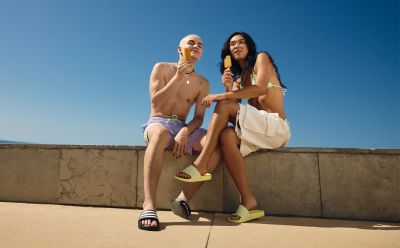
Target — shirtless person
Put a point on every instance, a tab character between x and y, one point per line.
174	89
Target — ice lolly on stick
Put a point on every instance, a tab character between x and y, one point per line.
186	54
227	62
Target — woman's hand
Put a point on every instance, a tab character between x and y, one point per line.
213	98
227	79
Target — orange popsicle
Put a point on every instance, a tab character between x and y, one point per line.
186	54
227	61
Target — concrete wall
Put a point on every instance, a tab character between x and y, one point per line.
334	183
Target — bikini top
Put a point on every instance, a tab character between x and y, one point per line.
269	84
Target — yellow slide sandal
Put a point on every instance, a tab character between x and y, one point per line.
246	215
194	174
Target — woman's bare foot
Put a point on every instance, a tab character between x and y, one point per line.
182	174
250	203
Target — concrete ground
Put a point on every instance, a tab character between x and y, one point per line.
37	225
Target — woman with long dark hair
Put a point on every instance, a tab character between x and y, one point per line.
259	124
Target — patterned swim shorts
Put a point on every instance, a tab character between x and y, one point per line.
174	125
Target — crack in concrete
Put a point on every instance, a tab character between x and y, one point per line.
320	189
209	233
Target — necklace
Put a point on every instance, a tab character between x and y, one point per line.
186	72
187	81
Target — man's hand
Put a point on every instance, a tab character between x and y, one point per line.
180	143
183	67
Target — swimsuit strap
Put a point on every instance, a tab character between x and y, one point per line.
270	85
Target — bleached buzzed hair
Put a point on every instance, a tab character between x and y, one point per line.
180	42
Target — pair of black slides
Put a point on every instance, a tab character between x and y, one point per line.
180	207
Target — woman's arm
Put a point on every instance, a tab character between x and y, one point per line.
264	71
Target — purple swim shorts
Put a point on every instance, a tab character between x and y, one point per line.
173	125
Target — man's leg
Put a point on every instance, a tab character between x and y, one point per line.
158	136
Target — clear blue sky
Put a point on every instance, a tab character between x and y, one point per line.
77	72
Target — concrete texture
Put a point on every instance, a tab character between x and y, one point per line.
56	226
29	174
303	233
317	182
360	186
283	183
98	177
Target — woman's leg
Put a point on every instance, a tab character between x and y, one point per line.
234	162
224	111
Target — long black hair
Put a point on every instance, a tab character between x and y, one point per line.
250	59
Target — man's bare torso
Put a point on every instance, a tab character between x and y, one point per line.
191	87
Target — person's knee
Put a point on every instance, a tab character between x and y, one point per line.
224	136
222	105
227	136
226	106
159	134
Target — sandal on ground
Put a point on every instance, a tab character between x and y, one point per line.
246	215
181	208
194	174
148	215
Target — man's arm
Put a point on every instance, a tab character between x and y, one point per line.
181	138
199	110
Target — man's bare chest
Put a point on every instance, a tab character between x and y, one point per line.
188	92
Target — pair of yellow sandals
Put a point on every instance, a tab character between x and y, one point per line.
242	212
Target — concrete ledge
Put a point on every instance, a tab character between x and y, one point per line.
319	182
283	183
104	177
364	186
29	174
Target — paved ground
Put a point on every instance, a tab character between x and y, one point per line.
36	225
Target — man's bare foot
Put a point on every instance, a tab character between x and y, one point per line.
148	222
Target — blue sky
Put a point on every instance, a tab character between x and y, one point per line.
77	72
